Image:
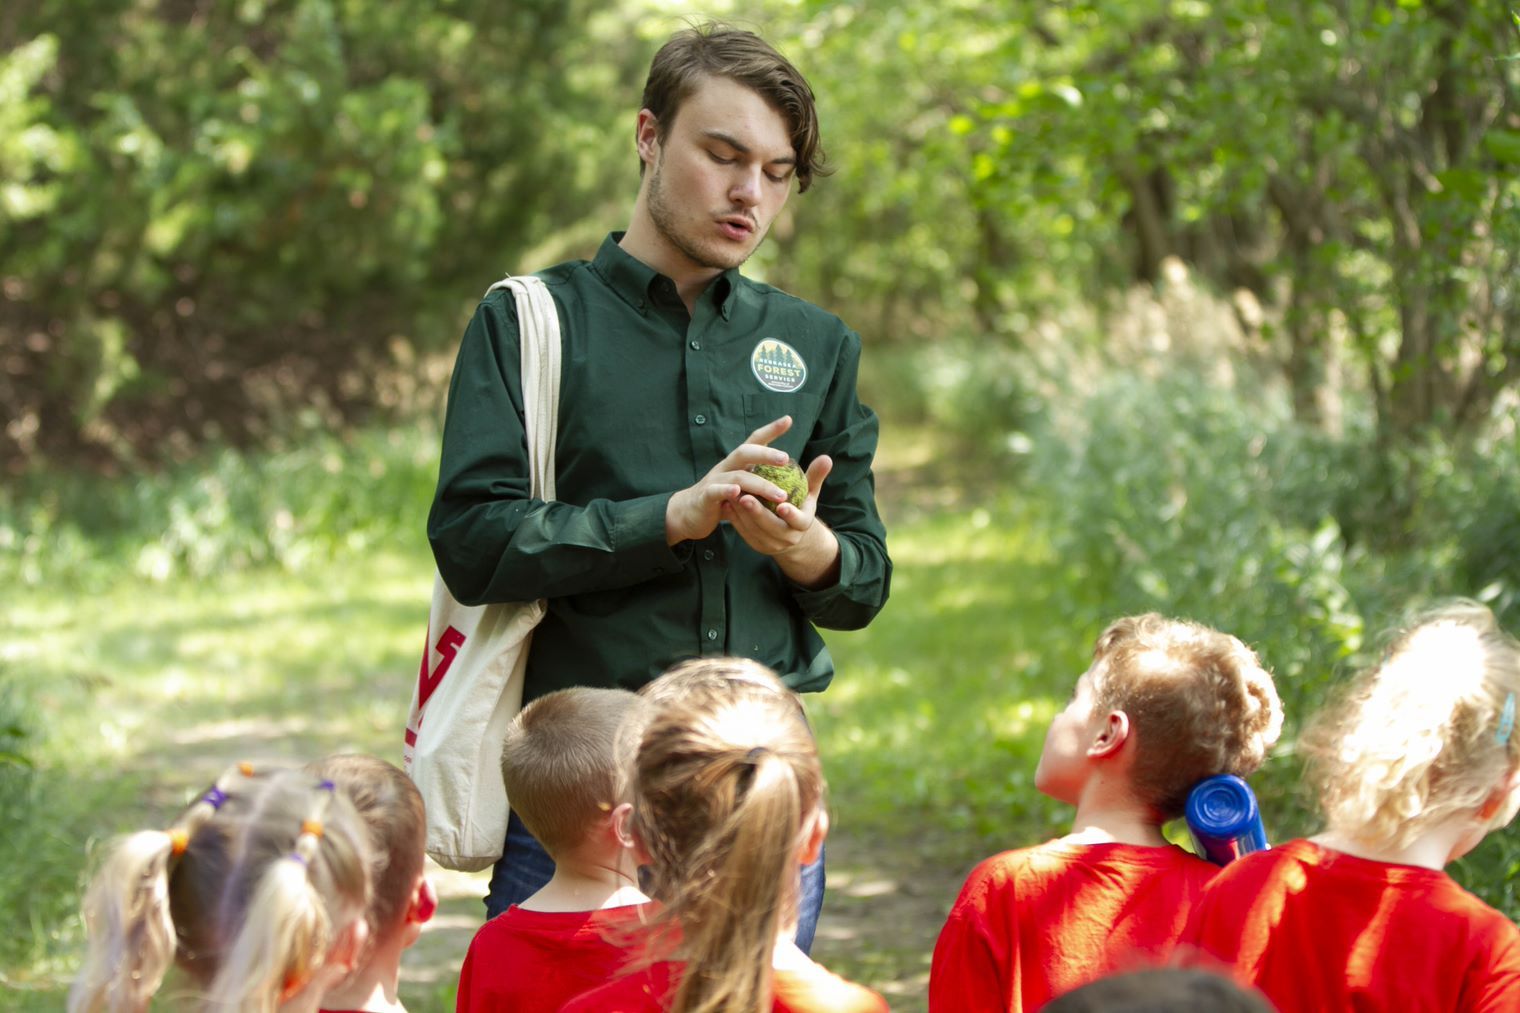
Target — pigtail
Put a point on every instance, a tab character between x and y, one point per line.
739	889
290	924
127	917
131	934
280	945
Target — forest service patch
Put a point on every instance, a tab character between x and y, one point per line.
777	366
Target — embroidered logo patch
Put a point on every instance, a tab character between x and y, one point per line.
777	366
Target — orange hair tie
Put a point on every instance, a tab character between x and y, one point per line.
179	840
245	768
313	827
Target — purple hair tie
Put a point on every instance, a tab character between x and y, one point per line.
326	785
214	798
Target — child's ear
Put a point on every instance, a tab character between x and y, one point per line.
812	847
1111	736
1504	799
424	902
622	826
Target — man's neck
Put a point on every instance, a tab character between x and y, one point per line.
644	244
373	986
581	884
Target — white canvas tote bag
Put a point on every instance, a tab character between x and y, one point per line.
470	684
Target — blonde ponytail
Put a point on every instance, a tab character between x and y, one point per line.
131	935
127	917
726	785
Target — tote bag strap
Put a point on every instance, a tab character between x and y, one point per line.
539	336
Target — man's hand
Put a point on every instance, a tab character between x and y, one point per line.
694	512
803	546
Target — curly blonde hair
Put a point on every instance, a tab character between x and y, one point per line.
1199	700
1421	735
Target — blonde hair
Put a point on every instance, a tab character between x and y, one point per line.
249	890
1198	699
1421	735
391	807
726	788
561	762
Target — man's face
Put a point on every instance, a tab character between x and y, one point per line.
1063	764
720	175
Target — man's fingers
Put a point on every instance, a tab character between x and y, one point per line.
817	472
770	430
747	455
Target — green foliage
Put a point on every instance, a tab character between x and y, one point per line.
213	222
227	510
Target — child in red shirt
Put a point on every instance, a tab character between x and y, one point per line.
565	761
1164	704
401	899
728	806
1415	764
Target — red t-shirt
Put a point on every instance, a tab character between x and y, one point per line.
1034	923
535	960
806	989
1317	929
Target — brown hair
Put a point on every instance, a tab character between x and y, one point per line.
560	762
248	890
392	810
726	789
715	50
1422	734
1161	989
1198	700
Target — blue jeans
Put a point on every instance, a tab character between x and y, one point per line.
524	868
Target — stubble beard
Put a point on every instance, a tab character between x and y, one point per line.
667	224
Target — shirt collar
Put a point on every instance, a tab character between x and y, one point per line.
632	279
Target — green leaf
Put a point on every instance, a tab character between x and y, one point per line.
1503	145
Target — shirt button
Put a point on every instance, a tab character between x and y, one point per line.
712	634
700	420
696	346
708	554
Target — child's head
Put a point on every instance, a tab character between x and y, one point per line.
1161	990
728	803
706	674
564	768
392	810
1426	734
254	890
1194	701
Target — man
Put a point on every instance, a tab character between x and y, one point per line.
679	375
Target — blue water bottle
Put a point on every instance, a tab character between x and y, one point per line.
1224	819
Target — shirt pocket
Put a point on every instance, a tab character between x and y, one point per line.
760	409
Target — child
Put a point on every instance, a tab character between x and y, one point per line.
728	805
1164	704
402	899
257	891
564	761
1414	764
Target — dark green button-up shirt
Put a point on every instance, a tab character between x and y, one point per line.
650	399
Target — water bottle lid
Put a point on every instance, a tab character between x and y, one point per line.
1221	806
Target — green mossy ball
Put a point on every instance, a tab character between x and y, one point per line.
789	478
